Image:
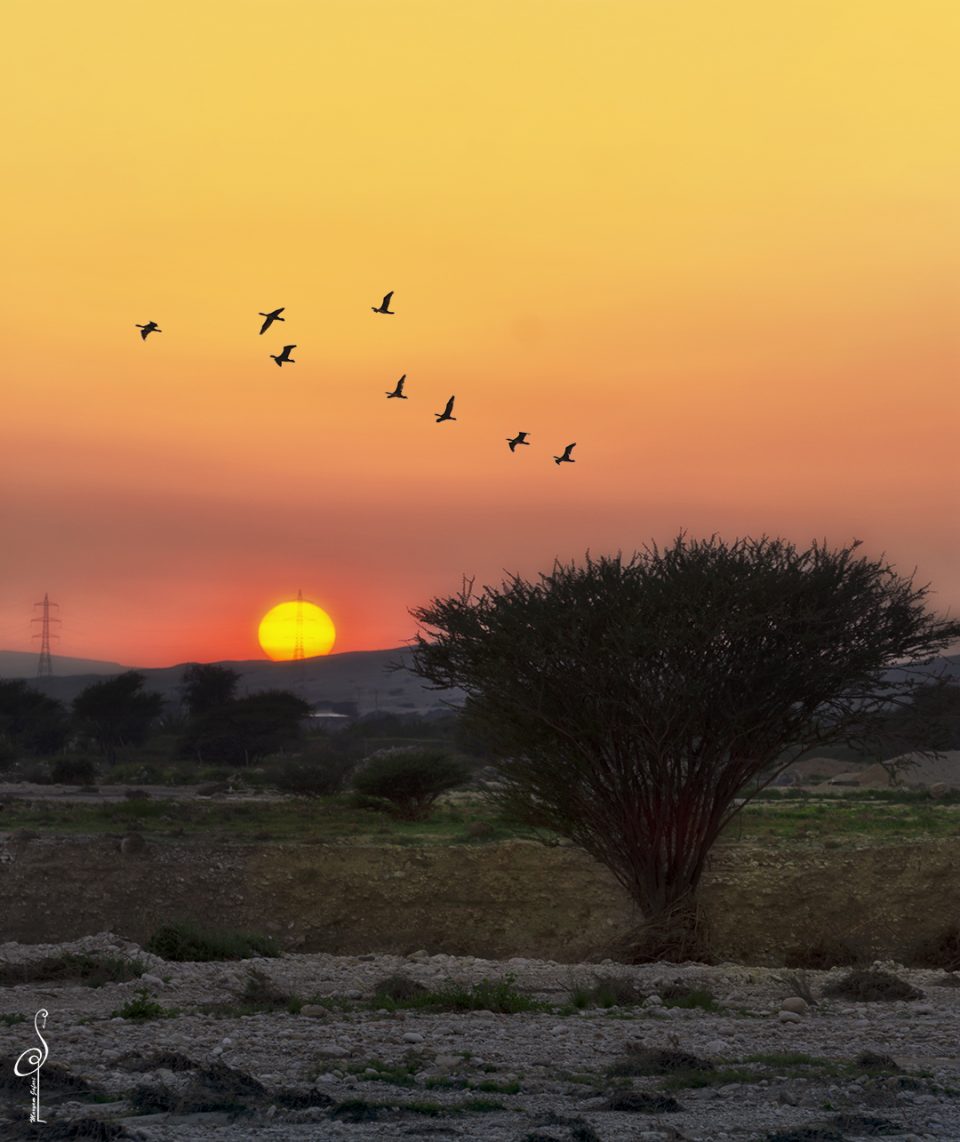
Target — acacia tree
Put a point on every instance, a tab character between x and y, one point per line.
634	701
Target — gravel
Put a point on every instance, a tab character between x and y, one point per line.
296	1074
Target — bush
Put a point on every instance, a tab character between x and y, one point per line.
73	771
607	992
94	970
398	988
410	780
868	985
141	1008
311	775
185	943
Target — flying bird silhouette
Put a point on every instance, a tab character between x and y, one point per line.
398	391
284	358
445	415
520	438
384	306
150	327
566	458
272	316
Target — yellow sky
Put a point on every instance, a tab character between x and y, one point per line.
716	243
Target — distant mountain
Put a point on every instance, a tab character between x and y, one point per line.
23	664
362	677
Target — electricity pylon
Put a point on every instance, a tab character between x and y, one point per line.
45	665
298	641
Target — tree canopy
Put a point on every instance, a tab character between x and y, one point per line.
246	729
116	712
632	701
205	686
29	720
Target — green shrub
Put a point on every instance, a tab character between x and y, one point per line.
141	1008
312	775
73	771
409	780
607	992
185	943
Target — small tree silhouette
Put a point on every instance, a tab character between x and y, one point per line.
207	685
633	701
116	712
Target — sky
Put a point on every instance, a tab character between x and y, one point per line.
716	244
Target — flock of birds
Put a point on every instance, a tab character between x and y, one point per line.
284	358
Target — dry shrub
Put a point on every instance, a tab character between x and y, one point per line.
867	985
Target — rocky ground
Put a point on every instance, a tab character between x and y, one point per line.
766	1065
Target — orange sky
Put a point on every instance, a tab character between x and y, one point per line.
717	245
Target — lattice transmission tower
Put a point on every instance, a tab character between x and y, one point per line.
45	664
298	640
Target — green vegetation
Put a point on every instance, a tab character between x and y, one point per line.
364	1110
409	780
116	712
607	992
497	996
142	1008
465	818
70	967
187	943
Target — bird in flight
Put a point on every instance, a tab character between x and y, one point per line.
566	458
446	414
520	438
150	327
398	391
272	316
384	306
284	358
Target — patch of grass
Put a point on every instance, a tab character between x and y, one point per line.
657	1061
142	1007
399	1074
359	1110
798	984
499	996
699	1077
678	995
610	991
784	1059
870	985
188	943
73	967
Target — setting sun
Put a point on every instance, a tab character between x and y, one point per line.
298	629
